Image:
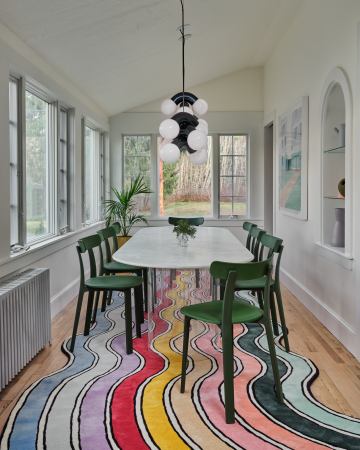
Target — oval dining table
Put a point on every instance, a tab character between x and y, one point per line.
157	248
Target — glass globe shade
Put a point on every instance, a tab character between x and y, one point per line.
168	107
169	129
169	153
200	107
203	126
197	140
199	157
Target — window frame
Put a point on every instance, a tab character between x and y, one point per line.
215	173
100	166
153	170
53	152
235	216
70	117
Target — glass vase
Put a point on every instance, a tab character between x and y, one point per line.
183	240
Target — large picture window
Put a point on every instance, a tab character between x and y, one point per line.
216	189
185	189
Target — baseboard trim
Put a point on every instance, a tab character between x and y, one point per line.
329	318
59	301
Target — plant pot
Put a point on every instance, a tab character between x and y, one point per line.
122	240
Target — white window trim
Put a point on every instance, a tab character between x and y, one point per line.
34	88
215	167
102	137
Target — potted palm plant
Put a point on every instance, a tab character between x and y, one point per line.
122	208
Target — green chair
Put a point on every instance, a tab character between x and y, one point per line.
269	246
117	228
247	226
110	267
104	283
228	312
255	234
195	221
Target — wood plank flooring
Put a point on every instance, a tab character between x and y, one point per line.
338	385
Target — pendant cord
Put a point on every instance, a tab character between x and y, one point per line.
183	51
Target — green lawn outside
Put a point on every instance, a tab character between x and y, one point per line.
200	209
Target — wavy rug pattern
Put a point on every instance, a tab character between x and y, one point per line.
105	399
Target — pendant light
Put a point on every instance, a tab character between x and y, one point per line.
183	130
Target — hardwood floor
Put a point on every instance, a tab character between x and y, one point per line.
338	385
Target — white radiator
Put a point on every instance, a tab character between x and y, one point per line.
25	324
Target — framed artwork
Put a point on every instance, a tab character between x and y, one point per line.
292	145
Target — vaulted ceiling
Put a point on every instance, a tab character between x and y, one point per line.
123	53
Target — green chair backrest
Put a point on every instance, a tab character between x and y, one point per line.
231	272
273	245
116	225
87	245
255	236
107	234
247	226
195	221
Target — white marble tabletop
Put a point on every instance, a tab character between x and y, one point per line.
158	248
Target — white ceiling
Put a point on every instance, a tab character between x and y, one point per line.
123	53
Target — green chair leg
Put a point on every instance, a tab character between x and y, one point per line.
274	314
228	368
96	305
89	311
109	298
282	318
76	320
128	322
260	299
104	301
185	353
274	364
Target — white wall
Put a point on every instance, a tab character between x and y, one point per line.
60	256
323	36
238	91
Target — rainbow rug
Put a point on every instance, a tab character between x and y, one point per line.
104	399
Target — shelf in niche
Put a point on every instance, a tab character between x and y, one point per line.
335	150
329	197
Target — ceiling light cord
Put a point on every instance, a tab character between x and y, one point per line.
182	31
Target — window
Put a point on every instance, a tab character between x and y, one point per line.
217	189
185	189
39	168
137	160
233	175
94	174
14	129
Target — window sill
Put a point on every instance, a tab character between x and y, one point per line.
43	249
341	258
209	221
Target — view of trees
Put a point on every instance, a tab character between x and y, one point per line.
37	183
185	189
